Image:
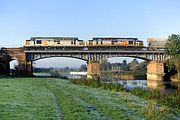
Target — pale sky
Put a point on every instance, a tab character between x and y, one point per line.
22	19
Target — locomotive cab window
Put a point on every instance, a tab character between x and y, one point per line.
38	41
27	42
101	42
113	42
130	42
96	42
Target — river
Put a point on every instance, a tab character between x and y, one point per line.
144	84
130	84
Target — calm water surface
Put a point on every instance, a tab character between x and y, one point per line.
129	84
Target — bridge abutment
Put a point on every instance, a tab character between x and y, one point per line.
29	68
25	68
155	74
93	70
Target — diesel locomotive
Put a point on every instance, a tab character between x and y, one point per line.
54	41
123	42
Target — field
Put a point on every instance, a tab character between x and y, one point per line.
55	99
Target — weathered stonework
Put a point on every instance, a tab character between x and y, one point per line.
24	67
93	70
155	74
155	71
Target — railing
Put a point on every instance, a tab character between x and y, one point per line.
81	51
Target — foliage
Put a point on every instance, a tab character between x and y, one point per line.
169	99
107	75
150	110
171	68
83	67
172	46
134	64
98	84
105	65
142	66
125	66
43	70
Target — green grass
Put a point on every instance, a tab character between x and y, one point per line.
53	99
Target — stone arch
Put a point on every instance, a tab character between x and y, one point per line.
15	54
13	62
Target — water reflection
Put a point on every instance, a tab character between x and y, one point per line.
146	84
42	74
129	84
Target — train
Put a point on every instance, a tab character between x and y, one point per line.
63	42
156	43
54	41
124	42
96	43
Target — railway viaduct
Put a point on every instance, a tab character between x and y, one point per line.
155	67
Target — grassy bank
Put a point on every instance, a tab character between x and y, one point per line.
51	98
171	100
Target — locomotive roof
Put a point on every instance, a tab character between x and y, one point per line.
113	38
54	38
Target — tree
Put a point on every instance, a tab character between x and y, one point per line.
142	66
134	64
105	65
172	48
83	67
124	63
125	66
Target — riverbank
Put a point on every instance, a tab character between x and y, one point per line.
52	98
124	75
170	99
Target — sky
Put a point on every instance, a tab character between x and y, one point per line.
23	19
